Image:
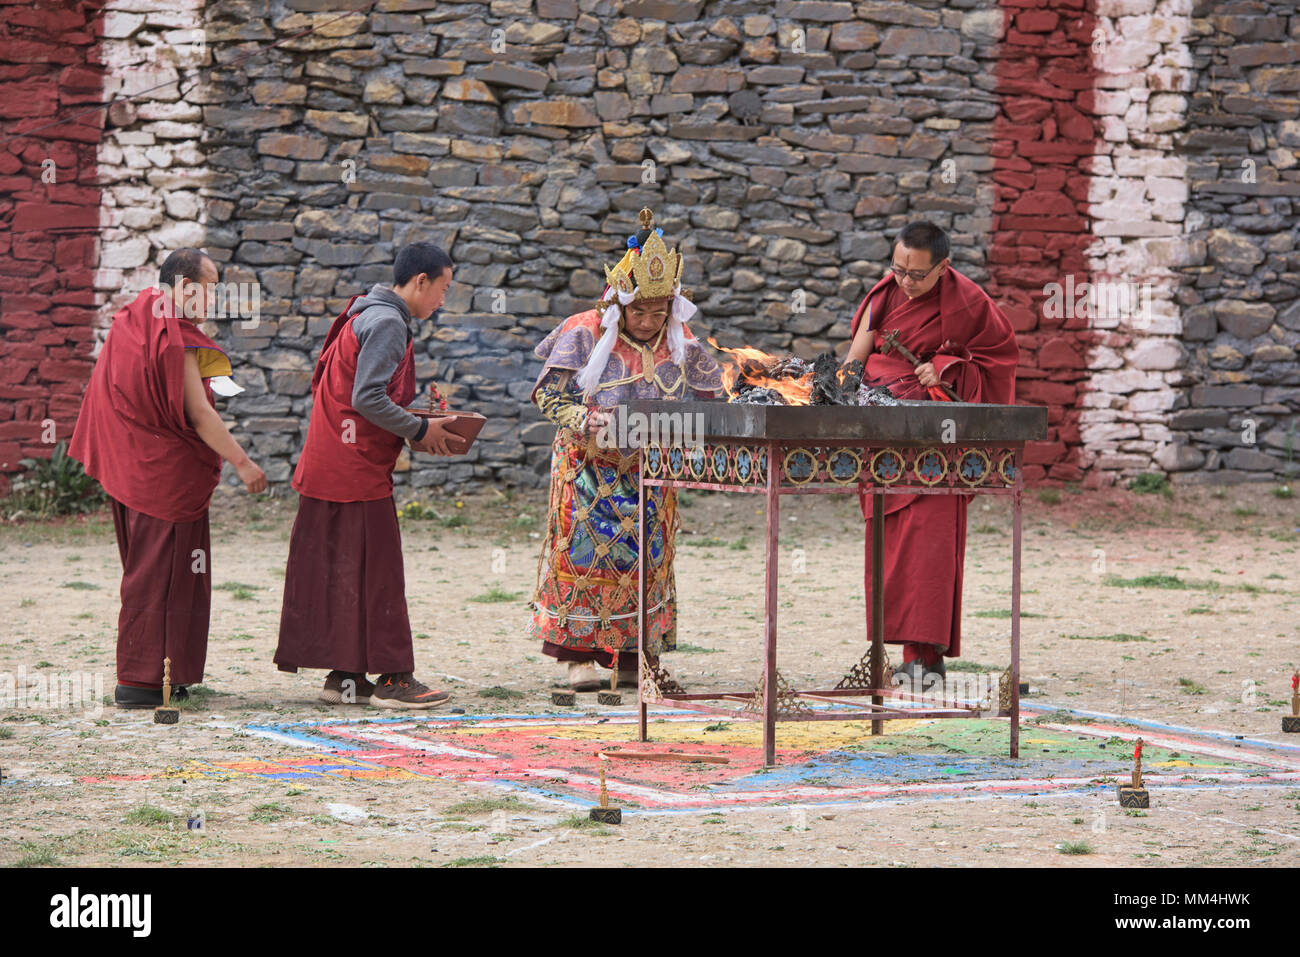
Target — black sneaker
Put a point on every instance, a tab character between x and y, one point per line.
403	691
336	692
125	696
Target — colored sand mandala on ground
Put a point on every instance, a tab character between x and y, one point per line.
554	756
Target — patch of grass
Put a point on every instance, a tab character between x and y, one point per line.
6	734
496	594
1005	613
455	520
1151	483
1191	687
27	603
583	823
487	861
1049	496
269	813
718	726
985	530
36	856
696	649
486	806
1147	581
1245	511
198	699
1075	847
704	542
149	816
236	586
961	664
1118	636
52	486
1283	491
496	691
739	545
1201	610
80	586
241	594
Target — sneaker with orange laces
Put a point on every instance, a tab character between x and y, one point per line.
404	691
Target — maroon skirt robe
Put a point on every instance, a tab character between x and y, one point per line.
972	345
166	598
345	590
344	586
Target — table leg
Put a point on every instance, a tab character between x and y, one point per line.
642	603
877	602
1015	610
773	564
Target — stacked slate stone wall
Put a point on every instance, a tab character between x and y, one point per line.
781	144
51	77
778	144
1235	420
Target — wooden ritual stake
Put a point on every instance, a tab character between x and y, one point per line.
611	696
165	713
1136	795
604	813
1291	722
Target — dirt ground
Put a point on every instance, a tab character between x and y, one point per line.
1182	610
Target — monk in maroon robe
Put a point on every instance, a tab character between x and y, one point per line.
149	432
963	340
345	587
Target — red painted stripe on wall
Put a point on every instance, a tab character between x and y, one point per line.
49	219
1043	144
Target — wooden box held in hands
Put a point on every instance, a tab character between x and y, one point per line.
465	426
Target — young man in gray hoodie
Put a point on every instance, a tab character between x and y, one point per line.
344	587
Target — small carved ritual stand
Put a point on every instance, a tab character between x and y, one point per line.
914	448
1135	795
1291	722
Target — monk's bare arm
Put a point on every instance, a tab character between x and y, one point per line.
862	344
863	340
203	418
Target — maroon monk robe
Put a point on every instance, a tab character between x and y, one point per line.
345	586
973	348
132	435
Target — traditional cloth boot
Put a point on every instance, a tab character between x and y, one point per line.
583	676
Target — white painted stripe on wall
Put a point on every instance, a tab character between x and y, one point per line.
1138	198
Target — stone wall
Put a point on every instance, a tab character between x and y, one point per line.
49	218
1238	292
780	145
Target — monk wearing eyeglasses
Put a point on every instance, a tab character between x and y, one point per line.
962	341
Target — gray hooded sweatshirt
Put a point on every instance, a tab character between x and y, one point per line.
383	326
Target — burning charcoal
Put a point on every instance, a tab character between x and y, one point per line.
757	395
826	381
851	377
790	367
875	395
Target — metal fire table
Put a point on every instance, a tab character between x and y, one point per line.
925	448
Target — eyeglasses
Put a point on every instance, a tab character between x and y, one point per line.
915	275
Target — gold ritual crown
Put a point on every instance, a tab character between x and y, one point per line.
652	273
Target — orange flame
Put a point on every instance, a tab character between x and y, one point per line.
749	367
